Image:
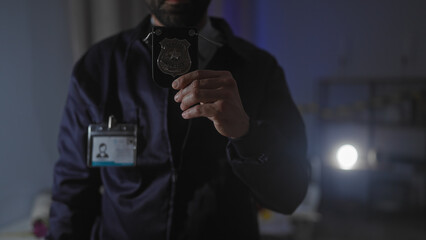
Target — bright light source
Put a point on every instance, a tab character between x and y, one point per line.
347	155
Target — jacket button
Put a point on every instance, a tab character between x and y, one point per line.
262	158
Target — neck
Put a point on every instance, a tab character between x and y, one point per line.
156	22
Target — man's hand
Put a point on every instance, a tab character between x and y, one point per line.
212	94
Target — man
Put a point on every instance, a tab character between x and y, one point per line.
210	148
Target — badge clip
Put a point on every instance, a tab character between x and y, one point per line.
111	121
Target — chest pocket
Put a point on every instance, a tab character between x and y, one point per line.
152	147
134	116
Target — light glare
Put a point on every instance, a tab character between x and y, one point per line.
347	156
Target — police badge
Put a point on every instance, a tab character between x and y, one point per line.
174	57
174	53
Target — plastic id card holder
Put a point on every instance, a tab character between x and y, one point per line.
111	145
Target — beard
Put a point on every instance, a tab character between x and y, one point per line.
186	14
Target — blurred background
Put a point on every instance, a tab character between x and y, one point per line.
356	69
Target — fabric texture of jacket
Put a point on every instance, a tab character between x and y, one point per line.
214	190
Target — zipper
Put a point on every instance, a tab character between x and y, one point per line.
173	170
185	141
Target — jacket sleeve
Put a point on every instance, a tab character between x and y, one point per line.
75	194
271	158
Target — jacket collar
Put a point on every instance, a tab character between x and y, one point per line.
229	39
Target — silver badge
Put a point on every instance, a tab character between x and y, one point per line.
174	58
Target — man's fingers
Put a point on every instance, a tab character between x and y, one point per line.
201	96
204	110
209	83
184	80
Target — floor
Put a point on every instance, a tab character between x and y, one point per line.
360	225
366	227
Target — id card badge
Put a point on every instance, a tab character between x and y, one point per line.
111	145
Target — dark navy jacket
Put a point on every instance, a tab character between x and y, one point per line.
215	189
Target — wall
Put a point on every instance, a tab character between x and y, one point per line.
313	39
35	64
